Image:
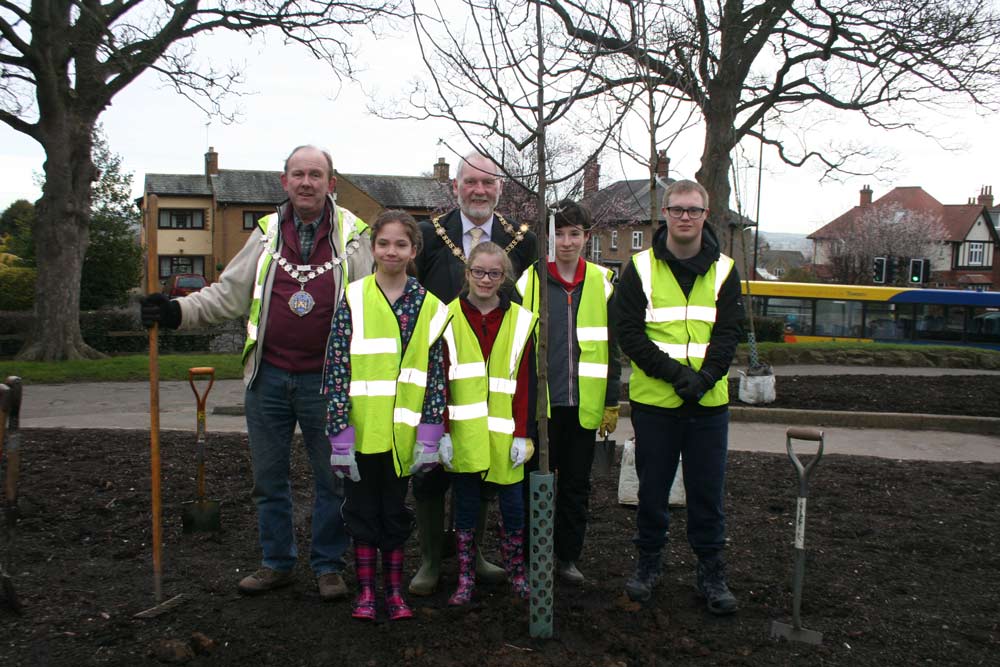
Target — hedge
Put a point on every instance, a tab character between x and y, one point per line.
17	288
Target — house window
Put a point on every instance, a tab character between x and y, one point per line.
250	219
171	264
975	254
636	240
614	240
181	218
595	248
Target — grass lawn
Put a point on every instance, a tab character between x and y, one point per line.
121	369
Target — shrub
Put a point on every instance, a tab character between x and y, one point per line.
769	329
17	288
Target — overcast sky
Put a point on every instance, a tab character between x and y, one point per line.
295	100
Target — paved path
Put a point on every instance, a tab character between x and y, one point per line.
126	405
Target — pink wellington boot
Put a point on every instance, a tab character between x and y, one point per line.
392	579
512	550
364	562
466	543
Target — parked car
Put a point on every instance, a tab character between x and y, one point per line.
182	284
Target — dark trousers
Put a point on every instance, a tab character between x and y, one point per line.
571	451
659	440
470	490
375	509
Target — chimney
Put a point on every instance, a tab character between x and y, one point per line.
662	165
211	162
986	196
866	196
591	177
441	171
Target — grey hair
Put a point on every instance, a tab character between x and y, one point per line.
465	160
326	154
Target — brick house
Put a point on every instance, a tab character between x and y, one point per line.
622	221
968	256
202	220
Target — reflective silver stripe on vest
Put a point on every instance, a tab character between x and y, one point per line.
470	411
373	387
590	370
413	376
408	417
499	425
693	350
503	386
522	329
599	334
360	344
472	369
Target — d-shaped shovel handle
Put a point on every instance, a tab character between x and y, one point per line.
199	372
804	470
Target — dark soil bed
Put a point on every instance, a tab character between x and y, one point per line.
903	567
941	395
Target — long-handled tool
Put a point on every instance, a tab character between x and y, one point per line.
10	417
795	632
201	514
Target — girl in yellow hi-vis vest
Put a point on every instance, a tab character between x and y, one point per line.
385	388
490	411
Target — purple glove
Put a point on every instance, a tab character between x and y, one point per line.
342	455
426	450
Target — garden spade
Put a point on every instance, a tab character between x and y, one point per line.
604	456
201	514
10	411
795	632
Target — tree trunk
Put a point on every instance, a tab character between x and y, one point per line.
61	232
713	174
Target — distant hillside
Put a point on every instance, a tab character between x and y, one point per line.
786	241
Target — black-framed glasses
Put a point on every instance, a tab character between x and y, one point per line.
479	274
693	212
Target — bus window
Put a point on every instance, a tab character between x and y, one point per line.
838	318
797	314
984	326
881	323
940	323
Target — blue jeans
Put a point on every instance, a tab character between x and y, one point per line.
704	442
468	489
274	403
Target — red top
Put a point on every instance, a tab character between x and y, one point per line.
581	269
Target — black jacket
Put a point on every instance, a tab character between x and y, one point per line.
631	318
443	274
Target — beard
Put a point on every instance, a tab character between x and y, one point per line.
478	210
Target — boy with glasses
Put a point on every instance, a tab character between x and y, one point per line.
679	321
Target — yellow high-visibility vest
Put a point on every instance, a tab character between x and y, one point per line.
678	325
591	335
481	393
387	386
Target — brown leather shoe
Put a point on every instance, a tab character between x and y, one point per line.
263	580
331	586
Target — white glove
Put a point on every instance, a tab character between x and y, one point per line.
521	450
342	455
427	458
445	451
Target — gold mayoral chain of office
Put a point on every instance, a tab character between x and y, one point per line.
302	301
517	235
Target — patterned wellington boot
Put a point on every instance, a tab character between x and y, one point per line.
513	550
466	568
392	580
364	562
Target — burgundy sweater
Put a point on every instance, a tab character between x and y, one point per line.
292	343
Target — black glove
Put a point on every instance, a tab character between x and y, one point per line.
158	309
691	385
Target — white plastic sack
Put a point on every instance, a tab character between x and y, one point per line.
628	481
755	389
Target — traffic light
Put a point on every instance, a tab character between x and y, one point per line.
920	270
879	270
